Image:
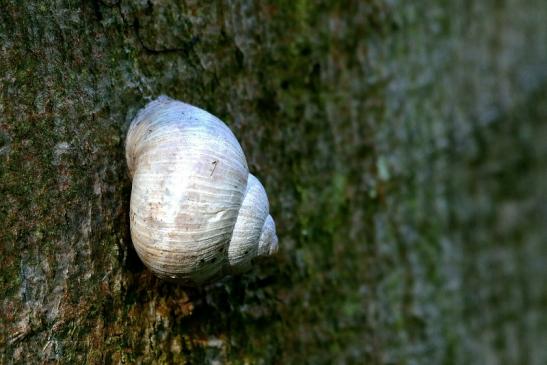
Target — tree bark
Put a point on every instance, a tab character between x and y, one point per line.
402	146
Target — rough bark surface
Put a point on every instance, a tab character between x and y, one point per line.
402	146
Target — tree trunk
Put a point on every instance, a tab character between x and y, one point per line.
402	146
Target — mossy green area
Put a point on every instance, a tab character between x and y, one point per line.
402	146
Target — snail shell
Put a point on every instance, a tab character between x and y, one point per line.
195	213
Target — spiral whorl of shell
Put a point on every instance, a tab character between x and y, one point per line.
195	213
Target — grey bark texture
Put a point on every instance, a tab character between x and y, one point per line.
402	145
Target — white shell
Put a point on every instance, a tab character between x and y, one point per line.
196	213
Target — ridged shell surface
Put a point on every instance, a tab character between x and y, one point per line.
195	212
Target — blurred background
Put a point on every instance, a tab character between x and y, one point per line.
402	145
